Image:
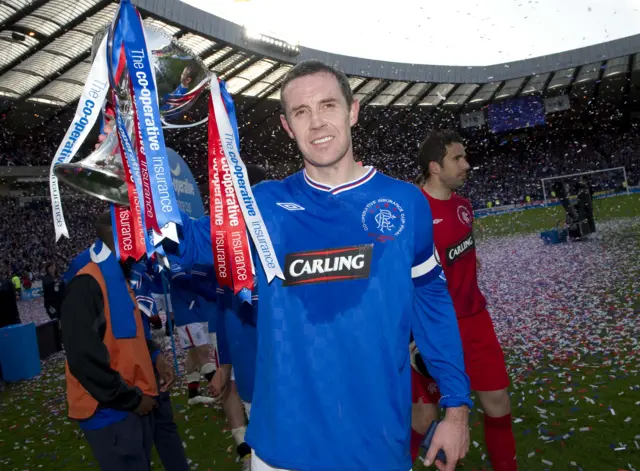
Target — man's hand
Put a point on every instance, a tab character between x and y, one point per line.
165	370
220	382
452	435
147	404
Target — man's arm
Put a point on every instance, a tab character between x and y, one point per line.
434	324
195	242
203	279
435	330
82	334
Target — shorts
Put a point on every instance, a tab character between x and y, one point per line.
483	356
160	302
483	360
258	465
193	335
423	388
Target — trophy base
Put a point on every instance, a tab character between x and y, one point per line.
99	183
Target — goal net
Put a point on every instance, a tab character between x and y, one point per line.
602	182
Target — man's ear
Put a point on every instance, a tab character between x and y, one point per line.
285	125
434	168
354	112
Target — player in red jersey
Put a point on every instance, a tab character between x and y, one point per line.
444	168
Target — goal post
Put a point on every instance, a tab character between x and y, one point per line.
546	181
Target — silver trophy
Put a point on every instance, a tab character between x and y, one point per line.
181	77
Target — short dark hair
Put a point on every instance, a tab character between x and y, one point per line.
104	229
433	149
256	174
312	67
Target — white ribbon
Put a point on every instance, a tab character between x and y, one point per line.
253	219
89	108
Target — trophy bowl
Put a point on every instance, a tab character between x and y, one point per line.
181	78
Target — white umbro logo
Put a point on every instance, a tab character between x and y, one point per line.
291	206
437	221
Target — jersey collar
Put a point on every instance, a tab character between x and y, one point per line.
344	186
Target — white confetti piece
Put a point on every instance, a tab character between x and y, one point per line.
547	462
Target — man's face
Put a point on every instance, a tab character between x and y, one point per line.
185	80
455	167
318	118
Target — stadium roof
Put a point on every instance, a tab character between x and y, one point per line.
44	49
463	32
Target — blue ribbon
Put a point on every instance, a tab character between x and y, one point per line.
227	99
114	230
134	168
146	99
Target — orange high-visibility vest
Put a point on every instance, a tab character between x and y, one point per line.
129	357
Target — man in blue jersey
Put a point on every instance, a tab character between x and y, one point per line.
191	312
204	284
233	382
332	387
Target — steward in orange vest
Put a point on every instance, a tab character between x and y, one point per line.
111	383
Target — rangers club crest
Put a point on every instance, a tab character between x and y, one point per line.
383	219
465	216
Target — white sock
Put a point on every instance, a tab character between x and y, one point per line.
247	409
207	368
238	434
193	377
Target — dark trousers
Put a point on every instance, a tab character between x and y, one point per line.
166	438
125	445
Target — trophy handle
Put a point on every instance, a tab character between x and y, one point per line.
166	125
101	174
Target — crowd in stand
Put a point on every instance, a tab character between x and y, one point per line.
27	241
507	172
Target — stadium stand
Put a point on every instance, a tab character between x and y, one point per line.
586	100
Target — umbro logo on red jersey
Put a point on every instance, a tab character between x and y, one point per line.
437	221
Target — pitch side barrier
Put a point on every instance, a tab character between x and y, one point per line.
515	208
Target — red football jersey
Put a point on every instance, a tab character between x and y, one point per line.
453	236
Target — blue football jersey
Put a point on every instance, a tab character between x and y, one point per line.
204	284
188	306
237	339
142	285
332	384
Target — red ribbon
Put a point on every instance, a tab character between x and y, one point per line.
228	230
135	228
149	210
124	232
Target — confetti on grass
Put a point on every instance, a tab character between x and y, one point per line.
566	316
